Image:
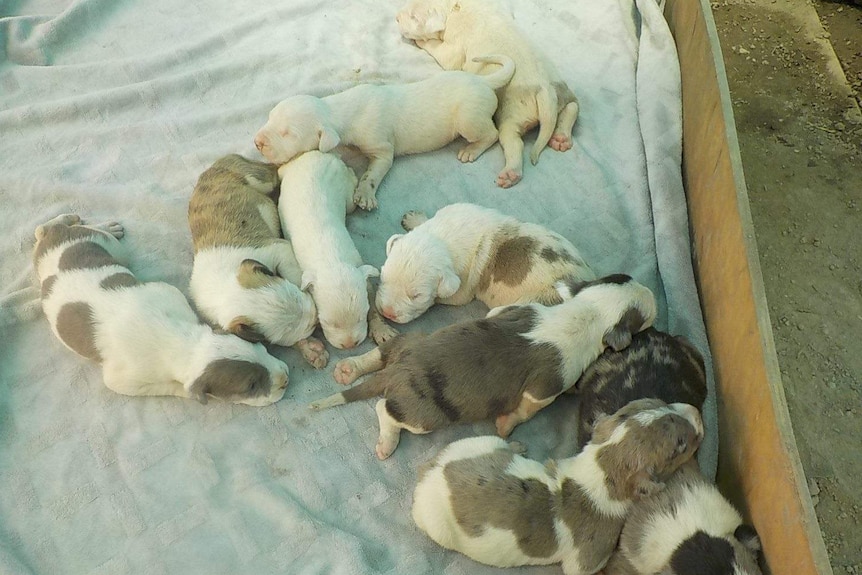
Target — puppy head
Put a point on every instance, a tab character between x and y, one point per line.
417	271
240	372
423	19
269	307
295	125
643	443
341	295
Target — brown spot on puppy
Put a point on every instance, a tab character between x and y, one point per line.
57	234
119	280
590	537
231	378
246	329
76	327
252	274
551	255
619	337
47	285
500	500
513	260
85	255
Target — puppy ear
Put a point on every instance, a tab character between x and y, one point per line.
369	271
391	242
307	283
229	378
746	535
618	337
568	288
252	274
243	327
329	138
449	284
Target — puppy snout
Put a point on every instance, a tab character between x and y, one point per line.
389	313
259	141
282	380
348	344
692	414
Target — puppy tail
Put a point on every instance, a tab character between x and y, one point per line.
498	78
371	387
546	102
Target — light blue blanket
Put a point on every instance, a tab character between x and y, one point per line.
112	108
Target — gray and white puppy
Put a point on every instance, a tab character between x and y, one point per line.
687	528
505	367
656	365
480	498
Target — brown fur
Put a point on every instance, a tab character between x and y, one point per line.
246	329
229	378
119	280
75	327
85	255
593	534
225	207
53	235
252	275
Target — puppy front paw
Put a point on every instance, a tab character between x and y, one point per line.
505	424
345	371
412	219
114	228
380	331
560	142
364	196
470	152
314	352
508	178
517	447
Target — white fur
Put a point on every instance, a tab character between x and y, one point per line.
442	260
149	339
316	196
455	31
281	312
386	121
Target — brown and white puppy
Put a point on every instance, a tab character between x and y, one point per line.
480	498
656	365
390	120
145	335
505	367
455	31
245	277
687	528
468	252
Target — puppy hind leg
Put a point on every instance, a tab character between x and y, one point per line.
481	134
390	431
381	160
528	407
561	140
112	228
378	329
513	150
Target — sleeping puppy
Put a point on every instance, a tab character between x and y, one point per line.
505	367
689	527
656	365
455	31
245	277
316	195
468	252
479	497
388	121
145	335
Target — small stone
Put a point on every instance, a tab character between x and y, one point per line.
840	126
833	267
803	240
816	242
815	499
811	163
813	488
743	50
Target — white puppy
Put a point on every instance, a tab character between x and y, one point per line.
467	251
316	195
145	335
388	121
455	31
246	278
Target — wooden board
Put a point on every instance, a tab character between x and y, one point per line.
758	462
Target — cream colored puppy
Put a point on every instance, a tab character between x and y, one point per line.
468	252
144	334
316	195
245	277
455	31
388	121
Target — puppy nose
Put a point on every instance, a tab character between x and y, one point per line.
349	344
258	142
389	313
692	414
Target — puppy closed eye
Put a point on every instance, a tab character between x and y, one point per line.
414	296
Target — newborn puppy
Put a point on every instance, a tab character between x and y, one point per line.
145	335
686	528
480	498
455	31
388	121
505	367
466	251
245	277
316	196
656	365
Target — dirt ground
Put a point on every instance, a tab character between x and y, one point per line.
800	135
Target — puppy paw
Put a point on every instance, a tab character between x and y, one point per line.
517	447
67	219
380	331
412	219
384	449
364	196
505	424
114	228
314	352
470	152
560	142
508	178
345	371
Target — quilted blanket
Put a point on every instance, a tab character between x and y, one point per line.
111	109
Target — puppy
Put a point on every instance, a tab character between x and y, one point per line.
316	195
245	277
505	367
689	527
454	31
656	365
467	251
145	335
480	498
388	121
